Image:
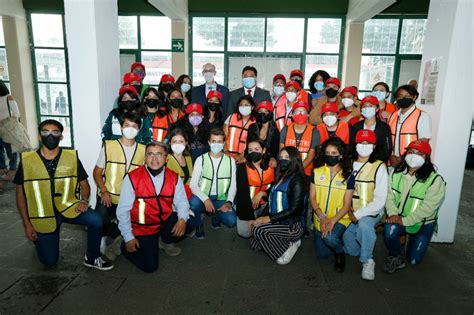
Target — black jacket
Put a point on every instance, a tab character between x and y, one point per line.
272	144
258	96
384	139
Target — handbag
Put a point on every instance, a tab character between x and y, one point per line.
12	131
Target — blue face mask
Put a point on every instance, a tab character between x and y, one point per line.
379	95
216	147
319	86
249	82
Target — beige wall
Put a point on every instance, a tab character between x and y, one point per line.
354	37
179	61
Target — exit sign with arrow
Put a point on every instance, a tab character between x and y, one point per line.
177	45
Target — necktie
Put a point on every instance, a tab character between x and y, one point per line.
249	92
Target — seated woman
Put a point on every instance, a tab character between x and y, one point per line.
128	101
278	233
416	191
179	159
330	194
255	178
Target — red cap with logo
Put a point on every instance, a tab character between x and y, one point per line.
300	104
333	81
329	107
365	135
279	76
137	64
265	104
296	72
130	77
370	99
194	107
127	88
349	89
214	93
167	78
420	145
294	84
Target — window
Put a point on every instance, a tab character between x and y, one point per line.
50	71
148	39
218	39
387	44
3	58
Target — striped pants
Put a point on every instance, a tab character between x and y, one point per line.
274	239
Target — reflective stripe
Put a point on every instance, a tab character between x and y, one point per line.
159	135
416	203
279	201
304	155
231	139
252	191
67	184
113	177
36	189
223	187
141	211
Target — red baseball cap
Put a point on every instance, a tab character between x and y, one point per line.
349	89
279	76
137	64
329	107
130	77
194	107
294	84
127	88
167	77
296	72
333	81
214	93
370	99
365	135
265	104
420	145
300	104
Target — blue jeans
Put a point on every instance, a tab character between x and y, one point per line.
332	242
12	157
417	243
359	238
47	245
197	206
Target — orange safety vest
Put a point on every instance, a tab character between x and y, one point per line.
342	131
237	134
304	145
408	129
171	118
160	127
302	96
257	183
280	113
150	210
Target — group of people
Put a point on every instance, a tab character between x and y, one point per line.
321	162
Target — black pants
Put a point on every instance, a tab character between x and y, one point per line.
146	257
109	218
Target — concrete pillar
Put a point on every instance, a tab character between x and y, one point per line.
452	111
20	71
94	72
179	60
354	36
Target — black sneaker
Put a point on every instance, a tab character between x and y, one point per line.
98	263
215	223
199	232
340	262
392	263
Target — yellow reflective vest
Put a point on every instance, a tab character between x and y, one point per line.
224	176
42	201
173	165
116	166
329	194
365	185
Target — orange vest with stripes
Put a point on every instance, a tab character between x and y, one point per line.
237	134
304	145
342	132
159	127
408	129
280	113
258	183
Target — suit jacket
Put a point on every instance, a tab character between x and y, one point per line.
258	96
199	95
383	136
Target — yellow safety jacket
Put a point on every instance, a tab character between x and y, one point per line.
173	165
47	195
365	185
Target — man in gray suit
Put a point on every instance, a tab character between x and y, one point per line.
249	81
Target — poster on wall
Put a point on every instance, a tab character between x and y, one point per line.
430	80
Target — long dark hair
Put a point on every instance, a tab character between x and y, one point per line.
168	101
265	158
422	173
321	73
118	112
218	113
161	99
372	158
295	168
345	162
248	98
202	132
180	81
272	128
182	133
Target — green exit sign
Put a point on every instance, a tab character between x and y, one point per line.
177	45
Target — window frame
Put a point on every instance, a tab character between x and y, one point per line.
6	57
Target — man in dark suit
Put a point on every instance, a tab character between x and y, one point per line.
199	92
249	80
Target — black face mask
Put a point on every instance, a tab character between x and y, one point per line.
331	160
331	93
152	102
176	103
255	156
283	164
138	88
212	106
128	105
51	142
404	102
167	87
155	172
264	117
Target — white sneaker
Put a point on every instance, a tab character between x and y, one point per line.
290	252
368	270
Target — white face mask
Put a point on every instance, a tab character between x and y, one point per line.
245	110
368	112
178	148
414	160
130	133
208	77
347	102
185	87
278	90
330	120
364	150
291	96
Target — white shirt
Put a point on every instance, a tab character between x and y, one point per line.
371	127
288	109
4	113
211	87
196	180
376	206
423	127
252	91
129	151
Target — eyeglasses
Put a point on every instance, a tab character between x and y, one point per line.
55	133
155	154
